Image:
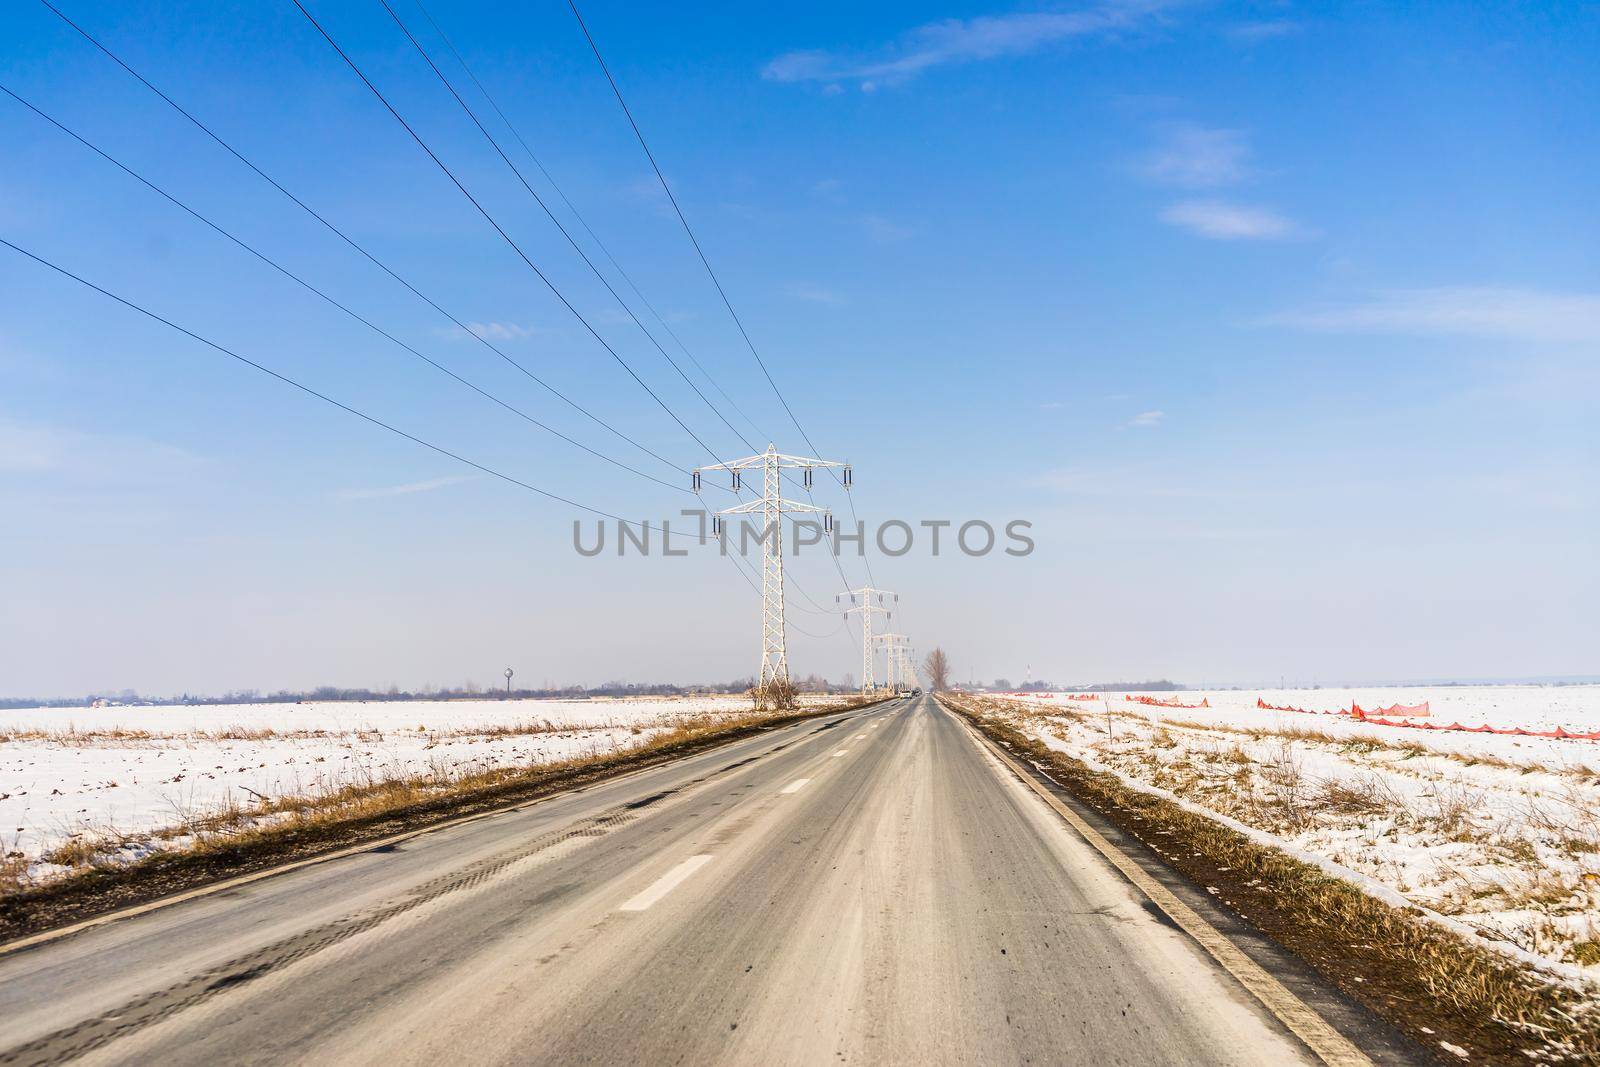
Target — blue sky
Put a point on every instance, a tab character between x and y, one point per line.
1278	321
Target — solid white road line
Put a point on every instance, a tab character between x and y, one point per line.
666	884
794	786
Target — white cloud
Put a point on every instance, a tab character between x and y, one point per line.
490	331
1147	418
65	452
1199	157
1469	311
1265	30
1051	405
404	490
501	331
882	231
816	294
1230	222
963	41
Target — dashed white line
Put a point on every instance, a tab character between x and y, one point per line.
858	737
839	753
666	884
794	786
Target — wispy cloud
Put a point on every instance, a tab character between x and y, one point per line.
815	294
1457	311
1264	30
883	231
1198	157
62	452
1225	221
492	331
1147	418
963	41
404	490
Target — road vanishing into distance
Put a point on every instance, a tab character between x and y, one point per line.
868	887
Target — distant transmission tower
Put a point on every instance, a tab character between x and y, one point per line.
772	685
862	600
897	660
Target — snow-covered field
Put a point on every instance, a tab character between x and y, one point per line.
1497	832
69	773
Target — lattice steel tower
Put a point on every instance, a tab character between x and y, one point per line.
862	600
772	685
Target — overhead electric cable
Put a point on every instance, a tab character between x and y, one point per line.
347	239
604	249
500	229
616	91
287	273
639	134
325	398
515	170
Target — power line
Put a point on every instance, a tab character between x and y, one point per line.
499	229
515	133
457	182
325	398
347	239
699	251
515	170
617	92
287	273
309	391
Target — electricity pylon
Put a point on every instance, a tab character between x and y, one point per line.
772	685
861	600
897	660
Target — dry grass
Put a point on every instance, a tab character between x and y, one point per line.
1427	980
1366	796
73	737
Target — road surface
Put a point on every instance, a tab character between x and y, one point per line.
871	887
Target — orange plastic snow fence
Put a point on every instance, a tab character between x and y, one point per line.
1205	702
1393	711
1381	717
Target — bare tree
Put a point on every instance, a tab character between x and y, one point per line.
937	668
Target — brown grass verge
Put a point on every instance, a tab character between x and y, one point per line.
1426	980
237	842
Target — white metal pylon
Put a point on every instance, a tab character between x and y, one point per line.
773	680
862	600
897	660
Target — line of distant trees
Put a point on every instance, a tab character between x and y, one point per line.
812	683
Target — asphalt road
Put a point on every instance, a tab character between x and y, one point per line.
870	888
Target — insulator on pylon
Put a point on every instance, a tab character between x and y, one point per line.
716	525
697	481
827	522
848	480
806	476
736	485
